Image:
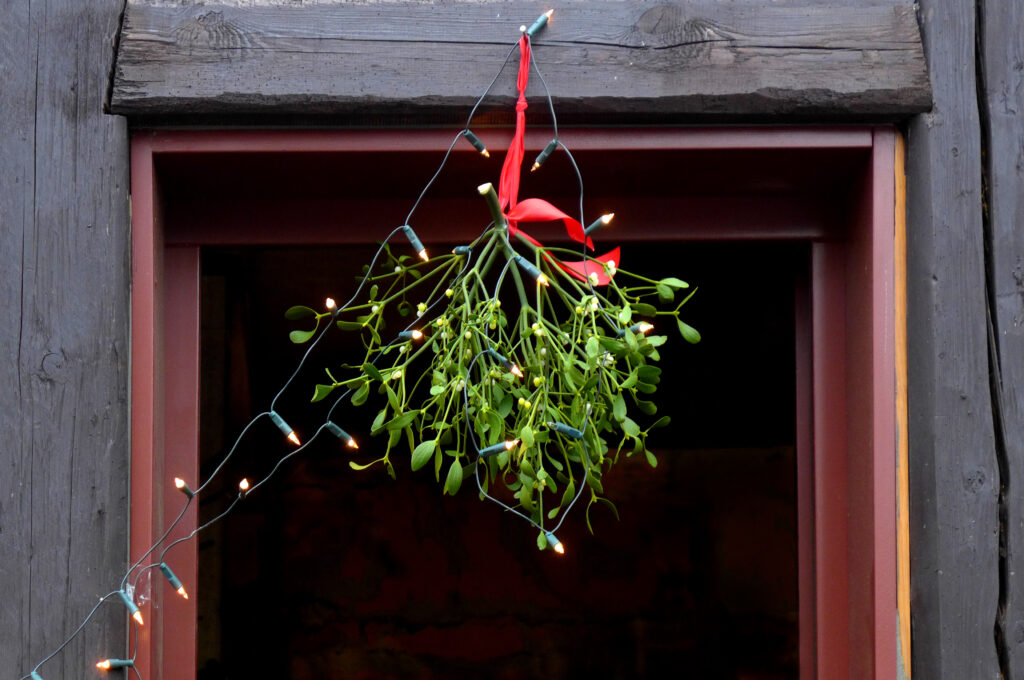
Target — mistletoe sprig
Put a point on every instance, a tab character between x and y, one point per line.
510	351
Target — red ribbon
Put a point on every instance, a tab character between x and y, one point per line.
536	209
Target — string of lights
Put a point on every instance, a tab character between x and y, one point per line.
572	283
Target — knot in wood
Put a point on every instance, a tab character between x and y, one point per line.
665	27
209	29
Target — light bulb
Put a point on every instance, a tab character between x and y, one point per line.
461	250
601	221
540	23
414	334
103	665
243	485
107	664
284	427
417	245
498	448
341	434
132	607
554	543
181	486
329	303
642	327
35	676
477	144
530	269
173	580
567	430
509	366
543	155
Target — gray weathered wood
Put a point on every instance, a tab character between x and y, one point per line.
638	60
954	472
1002	104
64	277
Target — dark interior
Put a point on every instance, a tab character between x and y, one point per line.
332	573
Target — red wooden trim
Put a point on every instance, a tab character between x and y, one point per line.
851	328
828	281
805	480
591	139
181	444
884	402
202	222
144	368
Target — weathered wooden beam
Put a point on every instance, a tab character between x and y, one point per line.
954	470
631	60
64	290
1002	104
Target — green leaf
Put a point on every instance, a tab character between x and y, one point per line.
378	422
402	420
373	291
651	459
644	309
436	390
526	434
371	370
505	407
630	427
393	398
542	541
349	325
657	340
359	398
619	408
422	453
674	282
665	294
689	333
625	314
629	381
593	347
299	312
611	506
612	345
570	491
356	466
649	374
299	337
662	422
647	407
454	480
321	392
646	388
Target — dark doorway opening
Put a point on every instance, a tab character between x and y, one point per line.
333	573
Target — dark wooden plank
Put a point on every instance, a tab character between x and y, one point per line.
64	299
1002	103
632	59
954	473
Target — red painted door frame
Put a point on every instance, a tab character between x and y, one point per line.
845	368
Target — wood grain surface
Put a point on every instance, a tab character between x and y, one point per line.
373	60
64	275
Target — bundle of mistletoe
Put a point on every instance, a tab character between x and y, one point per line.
517	367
